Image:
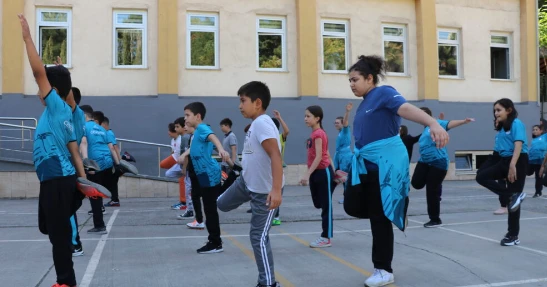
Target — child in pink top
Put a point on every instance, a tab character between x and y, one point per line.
320	173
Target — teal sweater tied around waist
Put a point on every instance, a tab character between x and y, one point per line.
392	159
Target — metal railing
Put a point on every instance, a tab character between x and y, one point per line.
22	128
158	146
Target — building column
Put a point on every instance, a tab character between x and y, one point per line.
528	51
168	64
428	66
12	47
306	25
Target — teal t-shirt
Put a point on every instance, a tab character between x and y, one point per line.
429	153
206	169
97	145
506	139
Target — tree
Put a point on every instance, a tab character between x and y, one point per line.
542	27
63	51
47	53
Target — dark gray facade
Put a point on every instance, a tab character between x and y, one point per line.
145	118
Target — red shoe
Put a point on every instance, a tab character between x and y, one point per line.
91	189
61	285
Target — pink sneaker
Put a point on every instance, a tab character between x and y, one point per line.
320	243
501	211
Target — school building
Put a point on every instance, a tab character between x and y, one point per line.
142	61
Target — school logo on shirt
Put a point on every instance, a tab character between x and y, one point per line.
69	126
247	148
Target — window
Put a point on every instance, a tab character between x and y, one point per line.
54	35
202	41
449	53
334	41
500	57
130	40
394	41
271	44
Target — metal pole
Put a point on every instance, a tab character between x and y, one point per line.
159	168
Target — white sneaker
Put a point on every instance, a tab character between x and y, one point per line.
380	278
320	243
196	225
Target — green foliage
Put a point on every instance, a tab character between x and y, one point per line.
542	25
394	55
202	47
53	44
270	51
63	52
448	61
334	54
129	47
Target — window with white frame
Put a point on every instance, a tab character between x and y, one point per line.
271	47
54	35
334	41
500	56
202	41
130	40
394	42
449	53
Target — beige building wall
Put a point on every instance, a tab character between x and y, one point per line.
237	51
92	47
477	19
366	19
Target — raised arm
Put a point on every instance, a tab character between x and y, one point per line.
412	113
36	64
349	106
456	123
223	154
277	115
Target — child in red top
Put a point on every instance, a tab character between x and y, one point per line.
320	173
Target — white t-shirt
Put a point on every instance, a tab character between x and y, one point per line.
257	165
175	147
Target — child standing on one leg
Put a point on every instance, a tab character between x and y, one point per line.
320	173
56	159
538	150
512	164
204	174
279	122
343	155
182	139
262	177
432	168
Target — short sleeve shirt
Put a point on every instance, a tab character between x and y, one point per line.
325	161
54	131
205	167
229	141
507	139
97	145
429	153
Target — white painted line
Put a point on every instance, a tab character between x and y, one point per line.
271	234
487	239
509	283
96	257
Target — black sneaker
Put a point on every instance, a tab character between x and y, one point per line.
77	251
276	284
510	240
537	195
516	200
97	230
189	214
91	211
210	247
433	224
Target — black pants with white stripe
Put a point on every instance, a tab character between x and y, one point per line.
322	187
261	221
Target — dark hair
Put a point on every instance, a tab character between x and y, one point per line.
370	65
180	121
247	127
197	108
226	122
106	120
317	112
59	78
404	131
276	122
98	116
341	119
171	127
77	95
427	111
88	110
256	90
506	104
539	128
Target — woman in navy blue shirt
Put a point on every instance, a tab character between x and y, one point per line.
377	118
511	164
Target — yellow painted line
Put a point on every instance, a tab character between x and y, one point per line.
278	277
329	255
